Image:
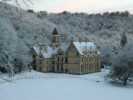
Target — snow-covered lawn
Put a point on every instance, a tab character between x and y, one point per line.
49	86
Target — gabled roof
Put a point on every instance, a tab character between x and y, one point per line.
48	53
85	46
81	47
36	50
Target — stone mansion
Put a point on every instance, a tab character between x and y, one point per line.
76	58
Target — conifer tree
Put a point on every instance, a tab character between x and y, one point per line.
123	41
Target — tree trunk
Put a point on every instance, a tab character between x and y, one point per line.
125	80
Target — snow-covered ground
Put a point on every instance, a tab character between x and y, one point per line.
49	86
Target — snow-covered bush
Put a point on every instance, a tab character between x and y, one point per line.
42	14
30	10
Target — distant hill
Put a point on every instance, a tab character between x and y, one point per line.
20	30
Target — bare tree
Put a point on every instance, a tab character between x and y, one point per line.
19	2
10	70
9	67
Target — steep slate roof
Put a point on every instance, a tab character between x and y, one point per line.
36	50
84	46
48	53
80	46
55	32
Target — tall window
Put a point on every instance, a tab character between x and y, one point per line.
77	54
58	59
66	60
62	59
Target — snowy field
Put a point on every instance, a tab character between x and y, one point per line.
49	86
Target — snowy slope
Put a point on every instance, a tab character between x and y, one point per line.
28	28
48	86
19	31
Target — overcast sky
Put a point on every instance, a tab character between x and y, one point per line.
88	6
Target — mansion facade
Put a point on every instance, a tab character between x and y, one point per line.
76	58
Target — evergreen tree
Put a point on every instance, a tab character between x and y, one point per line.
122	65
123	41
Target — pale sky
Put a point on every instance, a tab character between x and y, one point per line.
88	6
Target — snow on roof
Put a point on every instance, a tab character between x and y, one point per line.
36	49
82	46
45	53
49	52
